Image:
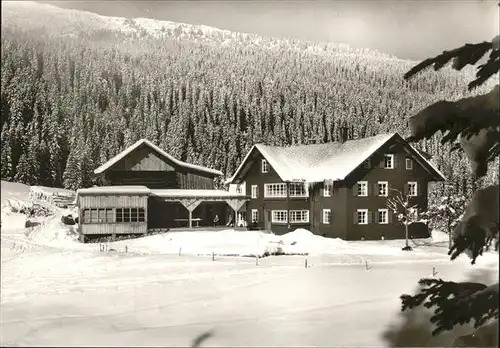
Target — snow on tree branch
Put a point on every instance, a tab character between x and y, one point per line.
474	119
469	54
456	303
479	225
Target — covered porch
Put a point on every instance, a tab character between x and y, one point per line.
181	209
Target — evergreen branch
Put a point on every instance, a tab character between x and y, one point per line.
456	303
479	225
465	55
484	74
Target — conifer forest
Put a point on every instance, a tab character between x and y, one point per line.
70	102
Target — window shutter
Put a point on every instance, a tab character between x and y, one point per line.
377	218
370	217
355	190
368	189
355	217
382	163
375	189
417	189
257	189
394	162
389	216
405	191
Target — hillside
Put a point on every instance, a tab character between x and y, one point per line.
78	87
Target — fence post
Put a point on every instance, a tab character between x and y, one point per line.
213	256
257	260
305	262
126	249
180	251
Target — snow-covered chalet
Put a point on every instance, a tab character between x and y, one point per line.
145	189
337	189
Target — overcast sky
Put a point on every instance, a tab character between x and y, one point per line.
412	29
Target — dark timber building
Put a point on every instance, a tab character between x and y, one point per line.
335	189
144	189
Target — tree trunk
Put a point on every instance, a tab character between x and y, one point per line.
449	235
406	232
406	223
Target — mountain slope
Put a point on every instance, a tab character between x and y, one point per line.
79	87
75	23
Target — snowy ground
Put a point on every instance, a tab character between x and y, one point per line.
56	291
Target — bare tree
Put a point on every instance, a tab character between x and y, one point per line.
405	211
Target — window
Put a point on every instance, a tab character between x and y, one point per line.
383	216
362	216
327	189
327	216
238	189
279	216
409	164
255	191
299	216
389	161
274	190
367	164
130	215
101	215
86	216
382	188
255	215
362	188
412	188
264	166
297	190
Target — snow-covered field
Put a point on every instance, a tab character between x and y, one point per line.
56	291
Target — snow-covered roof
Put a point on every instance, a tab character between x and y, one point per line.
320	162
177	193
131	148
103	190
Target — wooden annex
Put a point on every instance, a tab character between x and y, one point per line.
145	189
335	189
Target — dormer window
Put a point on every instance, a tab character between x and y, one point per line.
367	164
389	161
264	166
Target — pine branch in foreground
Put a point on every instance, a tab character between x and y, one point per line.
457	303
469	54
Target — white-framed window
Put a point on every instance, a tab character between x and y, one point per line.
383	216
327	189
409	164
362	188
130	215
255	191
264	167
255	215
299	216
412	188
279	216
238	189
327	216
382	188
367	164
274	190
389	161
297	189
362	216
